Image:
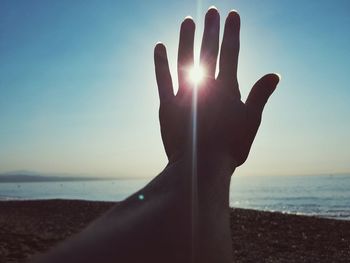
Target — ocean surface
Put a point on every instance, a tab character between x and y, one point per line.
324	196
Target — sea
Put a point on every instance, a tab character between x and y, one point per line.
325	196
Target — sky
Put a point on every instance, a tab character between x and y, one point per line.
78	93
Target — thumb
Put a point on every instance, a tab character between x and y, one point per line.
261	91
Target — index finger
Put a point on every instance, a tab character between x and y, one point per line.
164	82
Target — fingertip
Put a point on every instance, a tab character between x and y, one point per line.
213	8
188	20
267	85
234	17
160	54
212	13
274	78
233	12
279	76
188	24
159	48
159	43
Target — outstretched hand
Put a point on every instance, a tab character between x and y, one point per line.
224	124
169	220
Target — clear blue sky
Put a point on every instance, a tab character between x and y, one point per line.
78	92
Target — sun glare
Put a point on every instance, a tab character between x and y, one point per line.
196	74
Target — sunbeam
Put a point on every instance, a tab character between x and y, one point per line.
196	75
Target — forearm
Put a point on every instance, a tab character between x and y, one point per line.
161	222
214	233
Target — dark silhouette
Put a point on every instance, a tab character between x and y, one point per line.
183	214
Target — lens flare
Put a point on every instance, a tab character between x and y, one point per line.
196	75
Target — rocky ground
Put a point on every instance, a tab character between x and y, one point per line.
29	227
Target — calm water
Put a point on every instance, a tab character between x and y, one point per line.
325	196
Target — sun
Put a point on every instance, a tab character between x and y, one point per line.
196	75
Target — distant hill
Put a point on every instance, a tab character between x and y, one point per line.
25	176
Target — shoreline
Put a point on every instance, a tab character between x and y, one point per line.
31	226
338	217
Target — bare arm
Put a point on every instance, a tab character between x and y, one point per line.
157	227
183	214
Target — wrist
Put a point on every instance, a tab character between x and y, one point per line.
209	175
212	162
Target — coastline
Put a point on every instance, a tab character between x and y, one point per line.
29	227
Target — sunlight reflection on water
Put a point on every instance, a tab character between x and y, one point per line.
326	196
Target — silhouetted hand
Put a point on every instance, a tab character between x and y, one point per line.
179	220
225	125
